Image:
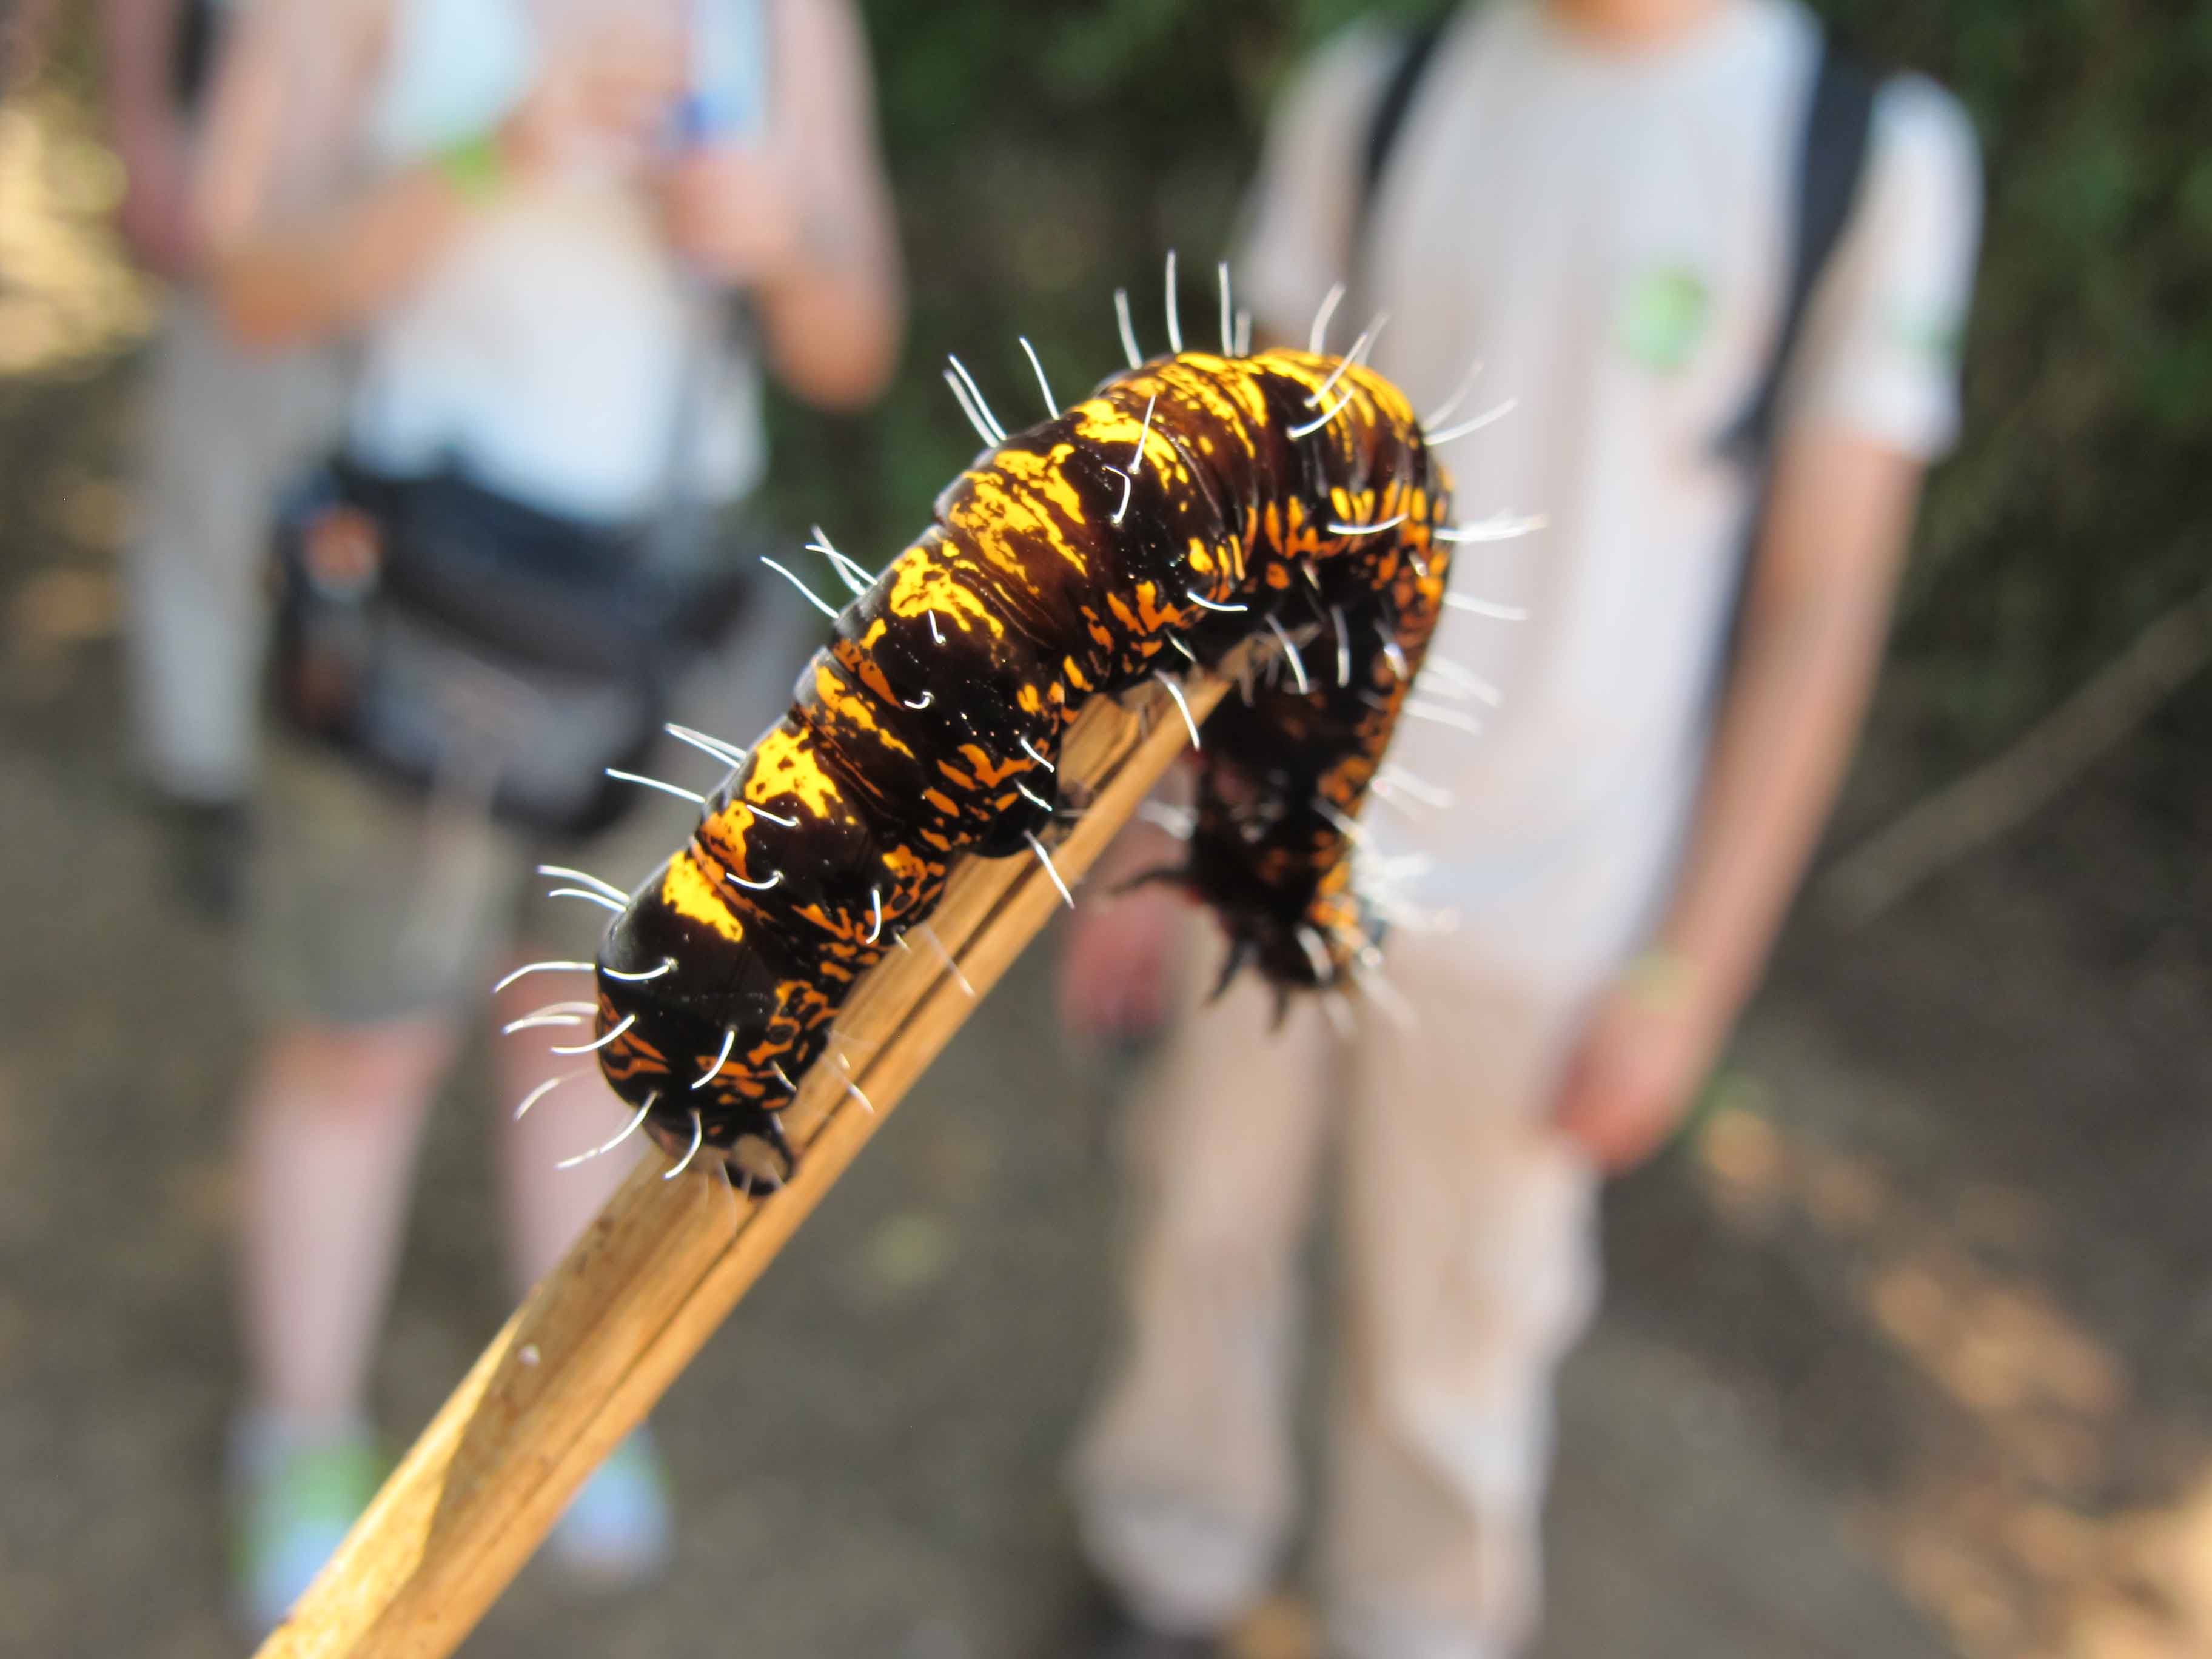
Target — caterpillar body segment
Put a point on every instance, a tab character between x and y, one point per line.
1188	506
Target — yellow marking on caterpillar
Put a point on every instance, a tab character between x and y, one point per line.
629	1042
1122	614
847	706
989	772
724	836
1389	401
1152	619
1244	389
994	516
788	763
772	1047
1104	422
1046	474
921	585
864	667
1309	371
1224	390
686	889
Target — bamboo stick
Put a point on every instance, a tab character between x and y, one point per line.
599	1341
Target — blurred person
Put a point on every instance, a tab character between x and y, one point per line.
510	209
222	428
1604	202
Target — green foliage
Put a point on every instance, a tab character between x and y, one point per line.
2077	508
1046	154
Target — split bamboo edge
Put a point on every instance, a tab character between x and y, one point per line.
603	1336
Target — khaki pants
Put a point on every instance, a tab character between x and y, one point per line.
1469	1267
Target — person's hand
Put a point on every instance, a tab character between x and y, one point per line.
604	106
1636	1067
1118	967
733	211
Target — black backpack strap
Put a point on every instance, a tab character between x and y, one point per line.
1387	120
1831	159
191	53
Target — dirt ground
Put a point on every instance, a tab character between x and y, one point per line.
1906	1349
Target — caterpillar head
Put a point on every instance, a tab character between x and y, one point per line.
705	1034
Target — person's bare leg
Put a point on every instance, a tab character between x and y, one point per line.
1183	1480
333	1117
548	1206
616	1531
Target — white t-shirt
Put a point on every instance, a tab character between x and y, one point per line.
1608	232
553	351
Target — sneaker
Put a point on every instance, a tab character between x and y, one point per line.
294	1498
1102	1626
616	1530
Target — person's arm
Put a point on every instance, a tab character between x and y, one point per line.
805	220
1118	953
138	42
1298	218
286	285
284	277
1873	396
1815	616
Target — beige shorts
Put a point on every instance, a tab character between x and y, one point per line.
368	902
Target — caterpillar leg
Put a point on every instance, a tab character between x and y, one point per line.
762	1159
749	1146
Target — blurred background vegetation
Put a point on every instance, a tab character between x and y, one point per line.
1045	154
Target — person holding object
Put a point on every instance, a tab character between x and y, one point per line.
512	211
1714	277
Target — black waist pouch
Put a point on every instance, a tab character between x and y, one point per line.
469	643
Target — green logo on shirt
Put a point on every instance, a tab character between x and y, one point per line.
1664	316
1935	339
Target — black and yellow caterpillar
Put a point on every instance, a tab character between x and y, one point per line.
1188	506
